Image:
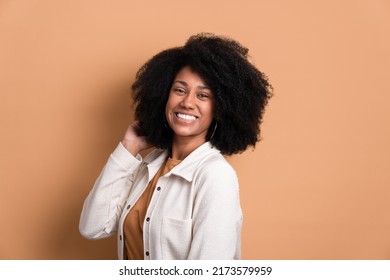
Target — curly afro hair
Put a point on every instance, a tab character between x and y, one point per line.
241	92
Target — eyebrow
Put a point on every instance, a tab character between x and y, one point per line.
185	84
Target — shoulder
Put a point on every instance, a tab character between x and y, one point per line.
216	172
215	162
211	163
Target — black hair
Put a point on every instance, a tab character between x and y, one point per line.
241	92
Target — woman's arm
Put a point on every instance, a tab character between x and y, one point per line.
104	204
103	207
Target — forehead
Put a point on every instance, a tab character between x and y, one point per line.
189	76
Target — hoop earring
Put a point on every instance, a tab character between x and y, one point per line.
215	128
164	121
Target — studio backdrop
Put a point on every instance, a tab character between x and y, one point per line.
317	186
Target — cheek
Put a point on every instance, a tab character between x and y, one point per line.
210	111
168	106
167	111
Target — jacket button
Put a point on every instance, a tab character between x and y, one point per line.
158	188
147	253
120	237
147	219
128	207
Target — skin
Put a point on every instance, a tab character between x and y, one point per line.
189	113
133	142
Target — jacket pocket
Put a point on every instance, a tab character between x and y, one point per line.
176	236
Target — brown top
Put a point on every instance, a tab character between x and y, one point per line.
134	222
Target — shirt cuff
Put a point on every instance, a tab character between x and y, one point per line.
125	158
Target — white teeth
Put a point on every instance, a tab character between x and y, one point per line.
186	117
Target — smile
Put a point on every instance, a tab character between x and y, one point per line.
185	117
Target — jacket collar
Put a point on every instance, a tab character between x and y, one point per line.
185	169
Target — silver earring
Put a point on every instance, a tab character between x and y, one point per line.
215	128
164	121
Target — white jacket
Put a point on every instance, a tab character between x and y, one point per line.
194	211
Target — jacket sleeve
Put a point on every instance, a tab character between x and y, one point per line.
103	206
217	216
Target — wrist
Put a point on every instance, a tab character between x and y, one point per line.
131	147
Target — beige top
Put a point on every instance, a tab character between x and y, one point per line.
196	214
134	222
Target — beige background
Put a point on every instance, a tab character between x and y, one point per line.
316	187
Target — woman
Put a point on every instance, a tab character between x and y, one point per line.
193	104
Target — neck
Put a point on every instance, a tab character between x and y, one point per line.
182	147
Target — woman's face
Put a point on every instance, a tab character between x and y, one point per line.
190	106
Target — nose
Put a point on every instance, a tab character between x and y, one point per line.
188	101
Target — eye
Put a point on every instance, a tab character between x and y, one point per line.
203	96
180	90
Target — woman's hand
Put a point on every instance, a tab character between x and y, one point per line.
133	142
